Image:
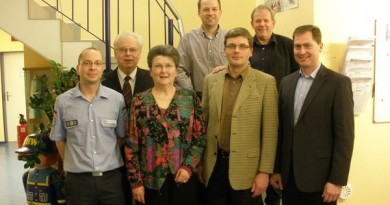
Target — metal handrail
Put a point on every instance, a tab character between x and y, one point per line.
105	35
177	16
72	19
179	29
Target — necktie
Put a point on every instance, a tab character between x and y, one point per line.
127	91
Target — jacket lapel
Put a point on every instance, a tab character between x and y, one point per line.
218	91
246	88
139	81
114	81
314	89
291	95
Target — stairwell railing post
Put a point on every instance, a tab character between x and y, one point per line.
107	36
170	32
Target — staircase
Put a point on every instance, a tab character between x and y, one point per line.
43	33
54	37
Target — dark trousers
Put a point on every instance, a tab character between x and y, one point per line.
219	191
293	196
125	181
85	189
126	187
201	190
172	193
273	196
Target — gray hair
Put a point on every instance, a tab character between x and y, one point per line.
263	7
126	34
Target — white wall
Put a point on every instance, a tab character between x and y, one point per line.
369	176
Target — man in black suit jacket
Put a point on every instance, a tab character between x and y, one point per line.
143	81
272	54
316	133
127	49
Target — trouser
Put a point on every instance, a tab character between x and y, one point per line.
94	189
219	191
172	193
273	196
293	196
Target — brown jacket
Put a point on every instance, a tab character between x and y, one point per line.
254	126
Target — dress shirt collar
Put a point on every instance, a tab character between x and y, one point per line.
122	75
209	37
241	76
312	74
100	93
272	40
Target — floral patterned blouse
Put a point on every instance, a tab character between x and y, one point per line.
160	143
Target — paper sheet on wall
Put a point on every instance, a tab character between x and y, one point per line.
358	66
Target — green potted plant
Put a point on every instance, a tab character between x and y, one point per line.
48	88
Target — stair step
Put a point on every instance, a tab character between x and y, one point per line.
40	11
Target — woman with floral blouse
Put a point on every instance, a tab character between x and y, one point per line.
167	136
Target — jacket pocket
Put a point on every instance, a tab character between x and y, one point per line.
253	154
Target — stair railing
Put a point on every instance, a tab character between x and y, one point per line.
105	35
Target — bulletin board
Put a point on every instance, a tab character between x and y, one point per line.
382	72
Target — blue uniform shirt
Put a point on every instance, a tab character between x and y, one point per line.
90	129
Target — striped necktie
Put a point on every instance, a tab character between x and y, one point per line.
127	91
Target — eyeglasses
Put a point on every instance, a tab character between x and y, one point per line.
161	66
90	63
125	50
234	46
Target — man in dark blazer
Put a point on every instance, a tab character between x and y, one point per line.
272	53
316	133
127	50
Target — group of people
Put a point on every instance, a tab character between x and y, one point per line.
221	120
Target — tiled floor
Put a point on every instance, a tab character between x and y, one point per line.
11	172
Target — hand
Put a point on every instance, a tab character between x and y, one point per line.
218	68
331	192
139	194
200	174
182	176
260	184
276	181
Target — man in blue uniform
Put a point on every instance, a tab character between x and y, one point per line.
88	127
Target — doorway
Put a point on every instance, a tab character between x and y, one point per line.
13	93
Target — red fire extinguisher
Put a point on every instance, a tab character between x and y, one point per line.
22	130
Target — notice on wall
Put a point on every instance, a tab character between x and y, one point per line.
358	66
281	5
382	72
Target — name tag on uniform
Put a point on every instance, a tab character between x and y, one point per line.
71	123
108	123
